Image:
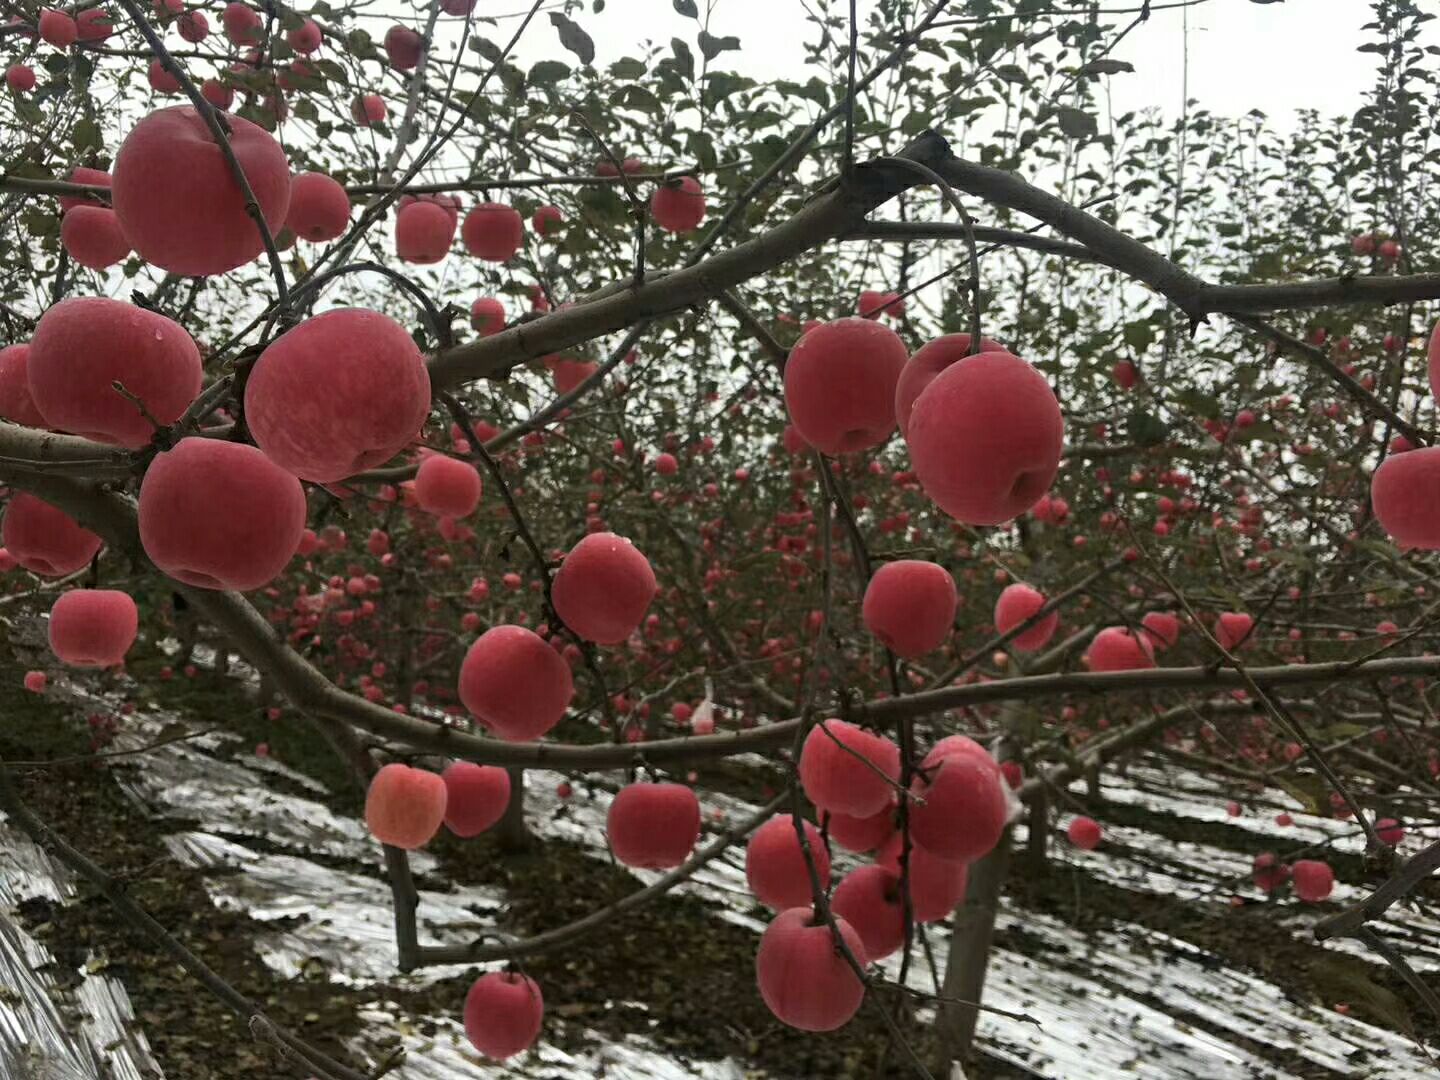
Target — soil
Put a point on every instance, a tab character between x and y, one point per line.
690	968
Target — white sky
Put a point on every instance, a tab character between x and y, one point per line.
1243	55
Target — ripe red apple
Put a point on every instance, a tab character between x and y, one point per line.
840	384
1233	629
1117	649
178	201
43	538
242	24
58	28
849	778
83	345
1162	628
487	315
423	232
571	373
16	404
367	109
338	394
547	220
1401	492
653	826
1084	833
803	978
20	78
403	47
515	683
1125	374
447	487
83	175
93	627
1017	603
985	438
962	806
503	1014
1312	880
862	834
666	464
928	362
404	807
220	515
476	797
775	867
603	588
910	606
1389	831
319	208
93	237
305	38
936	884
678	206
872	304
94	24
162	80
493	232
193	26
1269	873
869	899
221	96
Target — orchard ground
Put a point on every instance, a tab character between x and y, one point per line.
1134	960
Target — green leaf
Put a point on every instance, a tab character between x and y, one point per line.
627	68
548	73
573	38
684	59
1105	66
86	133
1139	334
1076	123
687	8
712	46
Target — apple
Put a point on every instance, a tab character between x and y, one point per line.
93	627
177	198
603	588
910	606
340	393
802	976
775	867
220	515
515	683
678	206
404	807
840	384
503	1014
985	438
653	826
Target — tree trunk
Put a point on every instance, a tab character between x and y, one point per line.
1092	782
969	957
511	832
1037	824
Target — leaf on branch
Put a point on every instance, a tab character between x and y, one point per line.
627	67
1106	66
684	59
1077	123
548	73
1012	73
573	38
712	46
687	8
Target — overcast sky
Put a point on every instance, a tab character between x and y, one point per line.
1243	55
